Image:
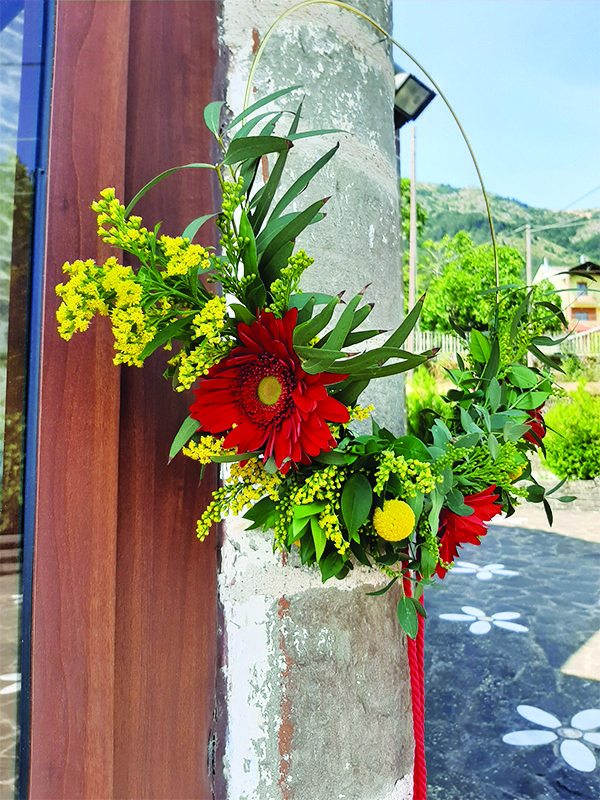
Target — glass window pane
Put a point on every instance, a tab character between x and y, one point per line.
21	63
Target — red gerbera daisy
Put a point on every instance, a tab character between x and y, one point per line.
264	401
456	530
537	425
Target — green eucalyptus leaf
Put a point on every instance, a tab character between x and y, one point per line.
491	368
531	400
468	440
212	115
480	346
242	314
319	537
548	510
252	147
251	124
308	509
417	603
194	226
356	501
518	316
522	377
535	493
428	562
513	431
260	104
262	513
159	178
456	503
385	589
331	565
165	335
407	617
493	446
299	527
308	134
183	435
249	256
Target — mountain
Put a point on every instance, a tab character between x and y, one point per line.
450	210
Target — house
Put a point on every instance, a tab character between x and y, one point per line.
579	289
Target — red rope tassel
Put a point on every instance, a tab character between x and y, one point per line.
417	687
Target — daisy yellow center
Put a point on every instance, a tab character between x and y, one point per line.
269	390
395	521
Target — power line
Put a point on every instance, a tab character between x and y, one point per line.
583	196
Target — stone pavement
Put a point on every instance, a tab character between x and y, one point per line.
512	661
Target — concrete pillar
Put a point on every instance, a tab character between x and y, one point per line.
314	702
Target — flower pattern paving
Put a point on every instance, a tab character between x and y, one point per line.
479	688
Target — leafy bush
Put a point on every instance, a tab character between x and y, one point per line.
423	402
573	444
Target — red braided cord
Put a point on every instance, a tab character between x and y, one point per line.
417	687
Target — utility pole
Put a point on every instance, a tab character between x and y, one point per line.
528	275
412	241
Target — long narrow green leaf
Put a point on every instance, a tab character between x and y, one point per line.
267	193
339	367
273	227
183	435
349	391
194	226
306	134
357	337
518	316
302	182
271	270
165	335
337	337
260	103
254	147
251	124
401	334
289	232
161	177
308	330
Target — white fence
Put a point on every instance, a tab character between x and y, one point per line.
586	343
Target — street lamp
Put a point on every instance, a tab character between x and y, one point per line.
411	97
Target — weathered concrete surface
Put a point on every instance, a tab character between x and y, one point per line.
315	697
315	680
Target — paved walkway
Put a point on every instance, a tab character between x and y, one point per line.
512	650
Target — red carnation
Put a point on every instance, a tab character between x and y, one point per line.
263	400
456	530
537	425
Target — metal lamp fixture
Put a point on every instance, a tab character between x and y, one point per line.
411	96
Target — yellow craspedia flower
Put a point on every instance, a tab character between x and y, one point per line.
395	521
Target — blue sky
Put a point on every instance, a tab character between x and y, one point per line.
523	77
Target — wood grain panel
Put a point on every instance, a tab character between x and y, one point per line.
166	579
76	511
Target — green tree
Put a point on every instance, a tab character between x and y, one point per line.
456	273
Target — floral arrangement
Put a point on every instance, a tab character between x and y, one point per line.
277	373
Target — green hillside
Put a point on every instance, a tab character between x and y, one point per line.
450	210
